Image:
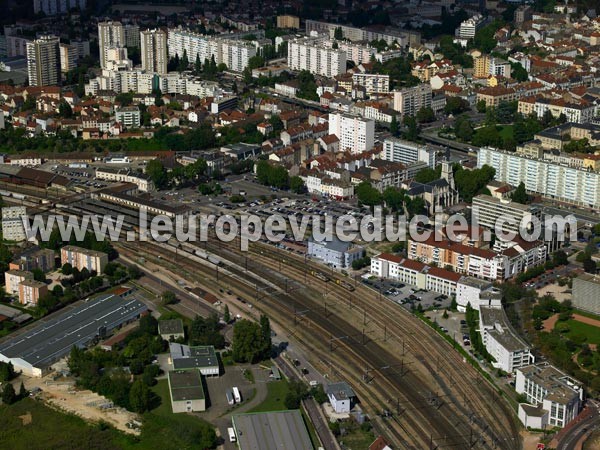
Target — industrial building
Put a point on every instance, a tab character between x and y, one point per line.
202	358
45	342
186	391
271	431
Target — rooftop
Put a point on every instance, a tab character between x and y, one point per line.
561	388
340	391
47	341
496	324
174	326
185	385
185	357
272	431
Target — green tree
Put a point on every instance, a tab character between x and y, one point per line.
393	198
197	65
367	194
9	396
157	173
481	105
65	110
7	371
168	298
297	185
248	342
520	194
22	391
425	115
394	126
338	33
139	397
226	314
265	327
456	105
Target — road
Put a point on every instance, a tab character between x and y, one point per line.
571	439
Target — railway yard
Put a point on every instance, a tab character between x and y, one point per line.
417	390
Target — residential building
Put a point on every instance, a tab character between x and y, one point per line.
132	35
523	13
35	349
411	100
335	253
200	358
476	292
82	258
372	82
548	178
129	116
55	7
35	258
171	330
317	56
30	291
236	54
43	61
186	391
513	216
407	152
586	293
271	431
501	341
467	29
415	273
13	228
154	50
482	66
69	55
13	278
355	133
341	396
287	21
553	397
110	35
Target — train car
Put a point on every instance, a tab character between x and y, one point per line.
213	259
345	285
321	276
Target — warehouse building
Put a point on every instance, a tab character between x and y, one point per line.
171	330
44	343
202	358
186	391
271	431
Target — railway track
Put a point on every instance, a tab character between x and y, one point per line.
423	397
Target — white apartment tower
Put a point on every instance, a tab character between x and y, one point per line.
110	34
411	100
355	133
154	50
316	57
43	61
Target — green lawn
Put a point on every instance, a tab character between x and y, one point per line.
577	328
277	391
357	439
52	429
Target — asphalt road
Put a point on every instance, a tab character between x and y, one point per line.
575	434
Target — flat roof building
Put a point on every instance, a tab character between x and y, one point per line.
501	341
335	252
271	431
82	258
44	343
186	391
202	358
586	293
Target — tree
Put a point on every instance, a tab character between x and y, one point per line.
248	342
394	127
22	391
134	272
297	185
456	105
226	314
367	194
197	65
265	327
9	396
412	129
518	72
157	173
168	298
338	33
481	106
65	110
393	198
7	371
520	194
589	265
205	331
425	115
139	397
296	393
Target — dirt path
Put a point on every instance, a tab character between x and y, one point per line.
550	322
588	320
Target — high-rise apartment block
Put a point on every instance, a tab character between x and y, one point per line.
43	61
317	56
110	35
355	133
154	50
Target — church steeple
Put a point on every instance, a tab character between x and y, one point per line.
448	174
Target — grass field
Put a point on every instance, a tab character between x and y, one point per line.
357	439
277	391
52	429
591	332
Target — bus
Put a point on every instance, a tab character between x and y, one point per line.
237	395
229	396
231	433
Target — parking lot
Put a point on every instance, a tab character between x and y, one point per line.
407	295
